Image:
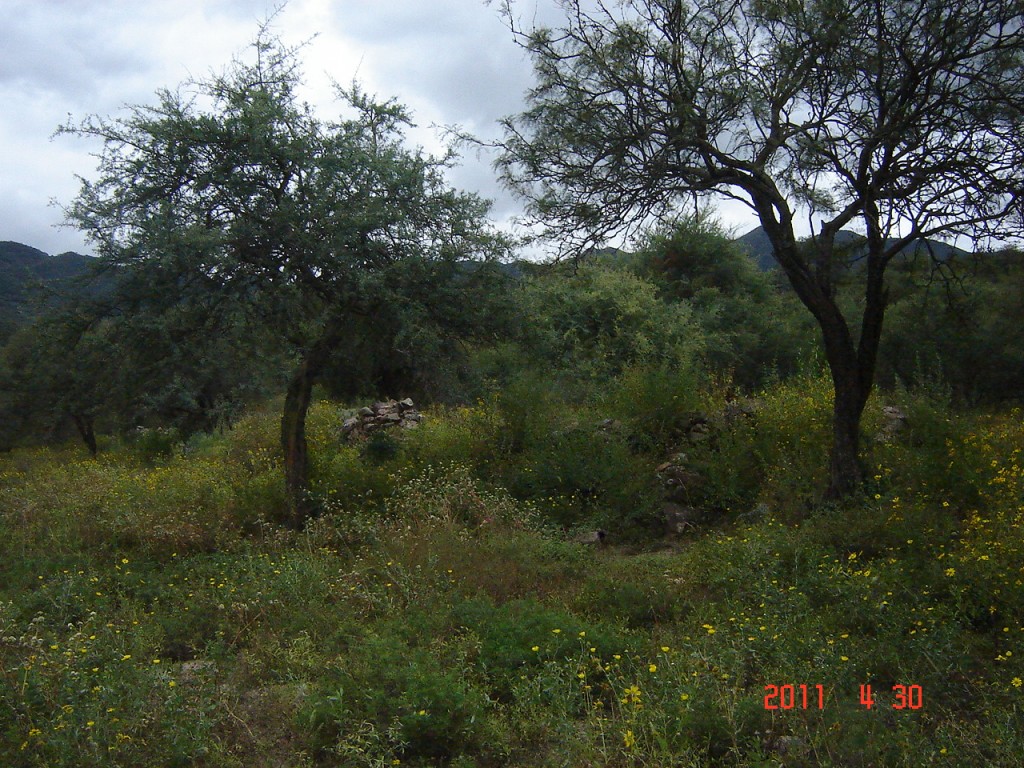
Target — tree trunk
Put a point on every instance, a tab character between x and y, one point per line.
85	428
293	441
846	474
293	426
852	368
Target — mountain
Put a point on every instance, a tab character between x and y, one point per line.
756	243
30	278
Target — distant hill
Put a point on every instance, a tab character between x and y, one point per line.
756	243
29	278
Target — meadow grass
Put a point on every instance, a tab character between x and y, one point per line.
439	613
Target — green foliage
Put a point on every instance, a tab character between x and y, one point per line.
956	327
597	322
152	613
750	328
426	708
229	203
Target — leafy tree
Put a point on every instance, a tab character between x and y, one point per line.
51	372
964	335
233	192
418	344
602	320
752	329
900	116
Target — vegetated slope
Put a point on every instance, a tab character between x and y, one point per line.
151	613
29	278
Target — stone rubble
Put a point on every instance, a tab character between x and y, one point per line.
385	414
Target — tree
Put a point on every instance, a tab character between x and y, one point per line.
50	374
752	328
231	196
900	117
600	320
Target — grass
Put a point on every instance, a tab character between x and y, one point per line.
153	614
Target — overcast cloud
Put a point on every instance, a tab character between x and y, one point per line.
451	62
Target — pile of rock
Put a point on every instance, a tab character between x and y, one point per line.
682	479
386	414
895	424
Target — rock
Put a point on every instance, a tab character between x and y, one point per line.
698	430
591	537
759	512
385	414
679	518
896	421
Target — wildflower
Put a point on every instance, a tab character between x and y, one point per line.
535	648
1016	682
629	739
556	631
631	695
652	668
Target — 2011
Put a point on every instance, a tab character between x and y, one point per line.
790	696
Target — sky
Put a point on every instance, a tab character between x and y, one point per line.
451	62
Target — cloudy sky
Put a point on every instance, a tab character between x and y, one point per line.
452	62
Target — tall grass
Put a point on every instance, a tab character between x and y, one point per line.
439	612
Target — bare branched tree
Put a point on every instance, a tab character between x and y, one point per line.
899	117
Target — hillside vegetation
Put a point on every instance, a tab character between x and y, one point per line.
441	607
437	613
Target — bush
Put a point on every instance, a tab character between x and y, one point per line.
419	708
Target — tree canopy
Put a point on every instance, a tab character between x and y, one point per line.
900	117
231	196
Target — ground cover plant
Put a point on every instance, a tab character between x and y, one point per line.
439	612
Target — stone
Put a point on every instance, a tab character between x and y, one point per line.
759	512
384	414
896	421
680	518
591	537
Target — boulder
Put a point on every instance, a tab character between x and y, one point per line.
680	518
896	421
385	414
591	537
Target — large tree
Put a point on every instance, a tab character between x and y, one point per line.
230	195
902	118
